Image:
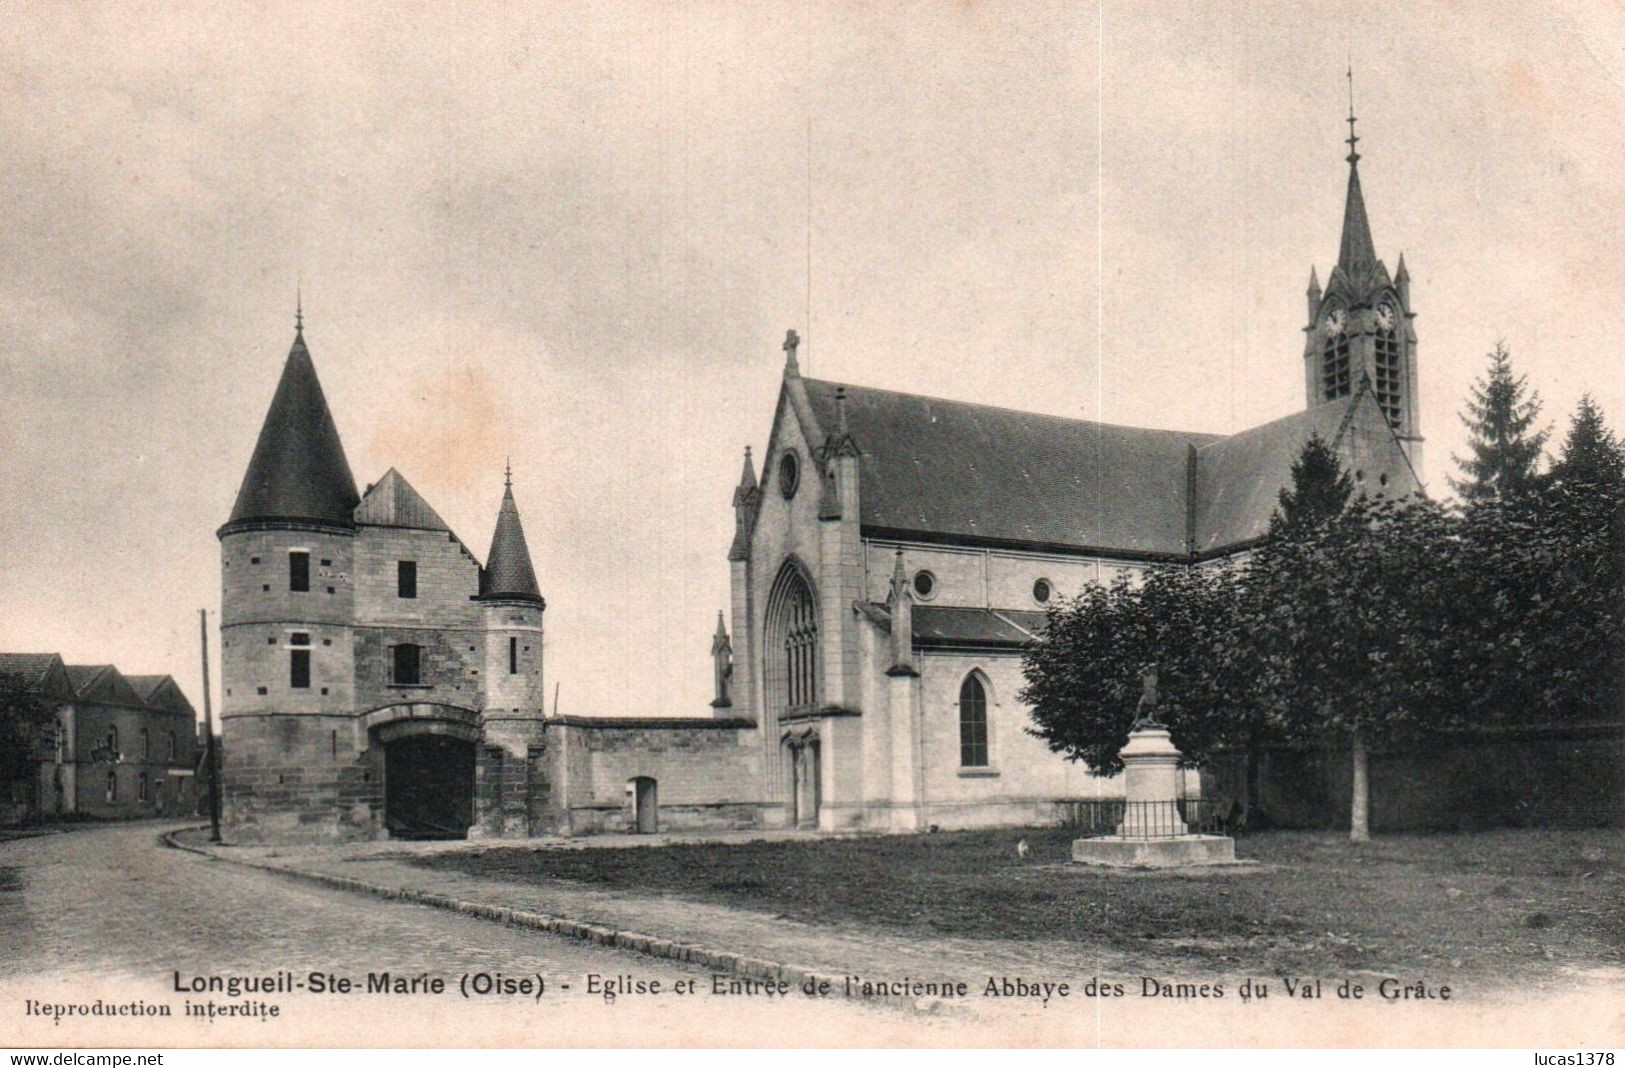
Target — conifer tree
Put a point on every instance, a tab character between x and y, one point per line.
1319	491
1592	458
1505	445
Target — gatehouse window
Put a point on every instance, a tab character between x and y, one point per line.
513	656
972	723
146	744
171	745
299	661
408	665
112	739
925	584
406	578
299	571
112	786
141	787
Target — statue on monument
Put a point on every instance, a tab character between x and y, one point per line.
1145	712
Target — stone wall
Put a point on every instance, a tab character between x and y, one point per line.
299	778
1023	780
1532	777
706	773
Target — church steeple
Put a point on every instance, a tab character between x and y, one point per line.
298	472
1356	252
1360	327
508	574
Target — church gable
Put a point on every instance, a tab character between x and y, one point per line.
1239	478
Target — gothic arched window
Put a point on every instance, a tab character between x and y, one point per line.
792	641
972	723
146	743
1335	374
1389	376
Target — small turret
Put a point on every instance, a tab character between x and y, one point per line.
722	661
513	609
747	497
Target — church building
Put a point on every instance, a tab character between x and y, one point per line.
897	552
890	562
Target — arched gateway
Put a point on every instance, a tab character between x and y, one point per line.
429	752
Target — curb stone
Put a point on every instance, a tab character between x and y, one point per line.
648	945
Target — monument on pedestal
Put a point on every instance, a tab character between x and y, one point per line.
1153	833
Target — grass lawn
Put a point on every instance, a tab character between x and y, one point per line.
1513	904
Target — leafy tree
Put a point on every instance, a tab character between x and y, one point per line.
1320	489
1340	621
1505	446
24	716
1083	681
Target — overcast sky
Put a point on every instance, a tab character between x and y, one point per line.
577	234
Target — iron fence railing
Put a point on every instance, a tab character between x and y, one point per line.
1147	819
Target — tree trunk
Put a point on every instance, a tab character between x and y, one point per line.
1254	758
1360	805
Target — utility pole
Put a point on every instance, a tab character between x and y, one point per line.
211	756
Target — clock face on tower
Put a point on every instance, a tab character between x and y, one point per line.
1385	317
1335	322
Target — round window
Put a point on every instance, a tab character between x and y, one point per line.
789	474
1042	591
925	583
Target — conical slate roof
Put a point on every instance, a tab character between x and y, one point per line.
1356	250
298	471
508	573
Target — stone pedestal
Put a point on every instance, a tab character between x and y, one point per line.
1151	786
1153	834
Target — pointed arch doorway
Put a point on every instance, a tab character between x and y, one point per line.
802	759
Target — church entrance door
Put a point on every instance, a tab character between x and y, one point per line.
428	786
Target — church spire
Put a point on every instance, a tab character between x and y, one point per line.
508	572
1356	252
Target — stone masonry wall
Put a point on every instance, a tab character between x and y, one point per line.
706	773
1552	777
299	778
1024	778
